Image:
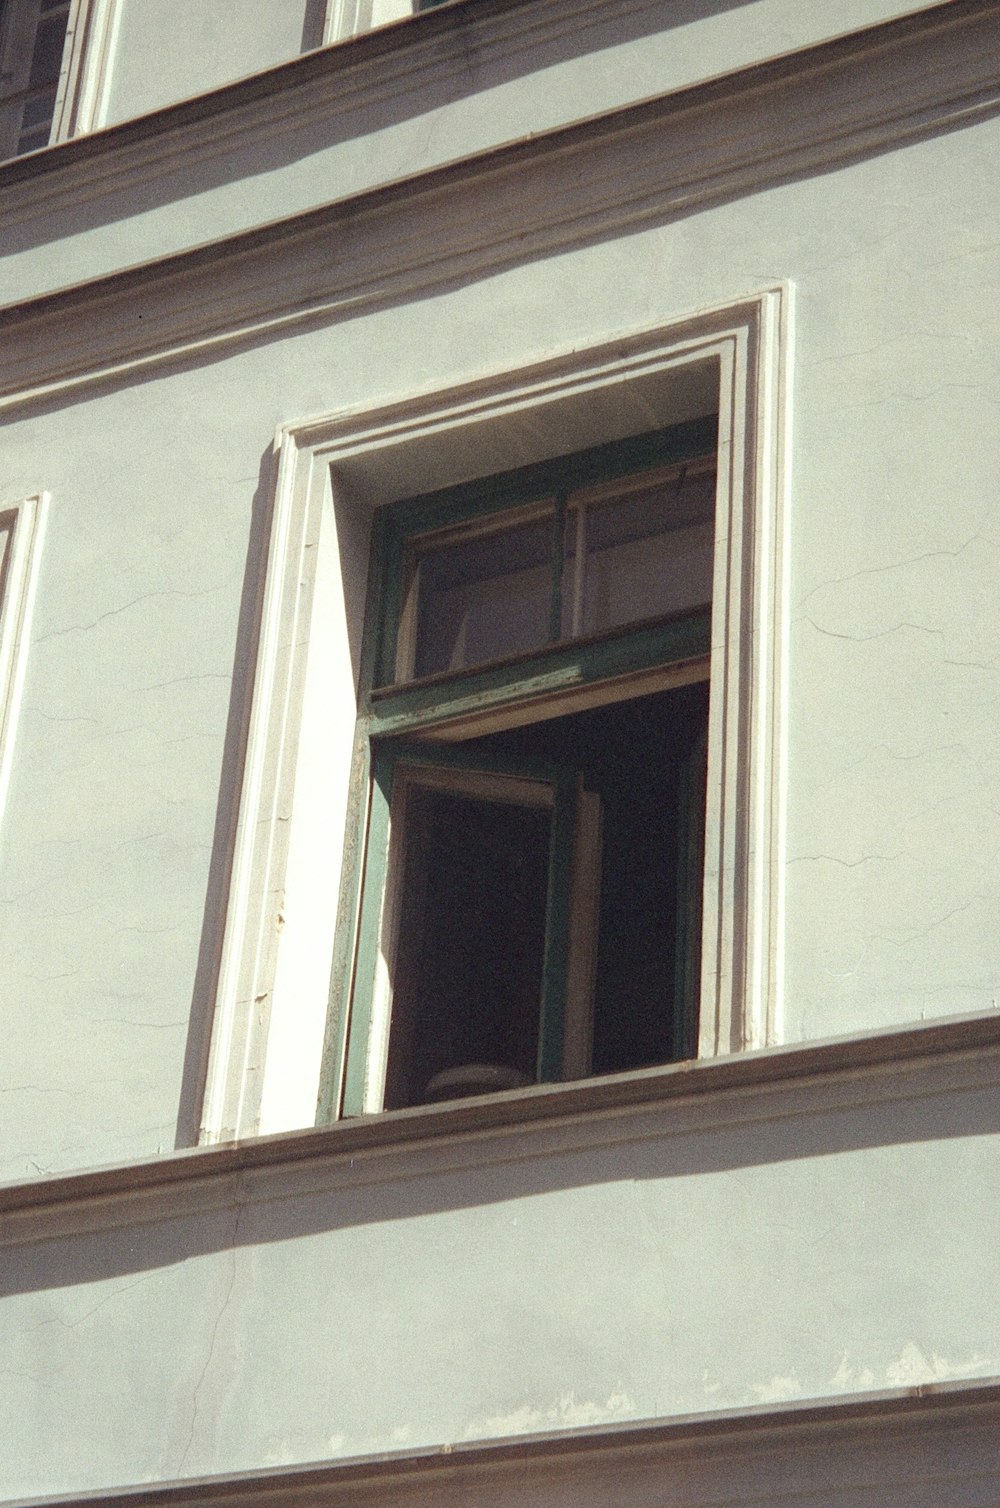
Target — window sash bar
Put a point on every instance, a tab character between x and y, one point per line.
415	707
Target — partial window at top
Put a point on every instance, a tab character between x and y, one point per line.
572	565
32	38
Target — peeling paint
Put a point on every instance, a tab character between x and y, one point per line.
778	1390
567	1412
912	1368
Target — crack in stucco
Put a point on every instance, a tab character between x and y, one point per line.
883	633
50	717
40	1088
115	612
895	565
153	1026
74	1324
181	680
196	1393
902	942
829	858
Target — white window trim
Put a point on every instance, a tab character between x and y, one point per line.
16	605
348	18
85	70
91	35
271	1001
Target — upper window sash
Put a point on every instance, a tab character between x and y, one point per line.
540	496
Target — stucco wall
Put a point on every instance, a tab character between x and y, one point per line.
677	1261
168	50
491	79
783	1243
892	769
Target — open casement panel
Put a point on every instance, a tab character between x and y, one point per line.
534	847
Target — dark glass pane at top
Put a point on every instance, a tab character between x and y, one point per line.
483	598
645	554
46	59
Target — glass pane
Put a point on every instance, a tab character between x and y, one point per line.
38	113
47	56
484	598
643	555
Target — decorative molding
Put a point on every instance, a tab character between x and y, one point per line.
22	526
745	346
91	32
360	72
95	34
367	70
234	1082
905	1448
917	1065
640	165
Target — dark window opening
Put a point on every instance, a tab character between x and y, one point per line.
472	935
477	895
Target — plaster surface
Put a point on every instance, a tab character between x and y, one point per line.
465	92
684	1264
168	50
803	1252
122	786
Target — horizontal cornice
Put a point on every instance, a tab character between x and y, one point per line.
277	88
962	1052
937	1437
664	158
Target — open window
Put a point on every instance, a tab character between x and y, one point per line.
349	677
531	908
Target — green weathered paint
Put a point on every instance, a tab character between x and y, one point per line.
342	970
439	699
398	525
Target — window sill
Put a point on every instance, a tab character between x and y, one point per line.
879	1440
879	1055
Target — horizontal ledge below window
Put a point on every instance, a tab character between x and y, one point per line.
519	1109
520	1467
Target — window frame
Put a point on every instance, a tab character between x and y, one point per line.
294	888
610	666
85	71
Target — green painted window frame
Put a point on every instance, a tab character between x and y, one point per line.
396	717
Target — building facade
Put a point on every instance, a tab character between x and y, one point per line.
499	785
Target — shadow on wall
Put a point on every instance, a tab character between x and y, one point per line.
253	1208
196	174
230	783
